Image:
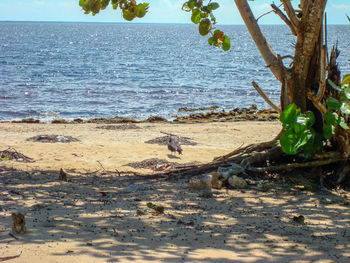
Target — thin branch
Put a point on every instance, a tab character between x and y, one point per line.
291	13
278	11
264	15
266	51
265	97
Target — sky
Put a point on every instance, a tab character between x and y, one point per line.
160	11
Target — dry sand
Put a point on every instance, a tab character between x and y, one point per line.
99	217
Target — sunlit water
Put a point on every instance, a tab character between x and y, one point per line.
70	70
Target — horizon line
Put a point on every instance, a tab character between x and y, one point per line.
125	22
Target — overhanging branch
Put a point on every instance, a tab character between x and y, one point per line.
269	55
284	18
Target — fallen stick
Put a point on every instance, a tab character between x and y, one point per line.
265	97
11	257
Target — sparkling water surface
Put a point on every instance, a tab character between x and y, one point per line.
84	70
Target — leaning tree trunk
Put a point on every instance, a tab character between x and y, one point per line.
305	82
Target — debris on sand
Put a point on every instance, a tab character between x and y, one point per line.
126	126
53	138
154	164
11	154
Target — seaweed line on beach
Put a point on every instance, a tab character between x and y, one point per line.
13	154
53	138
126	126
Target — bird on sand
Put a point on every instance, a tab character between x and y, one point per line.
174	146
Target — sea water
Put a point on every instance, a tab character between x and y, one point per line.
84	70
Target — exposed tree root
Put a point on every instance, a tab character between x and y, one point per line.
289	166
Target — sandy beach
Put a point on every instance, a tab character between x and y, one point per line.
98	216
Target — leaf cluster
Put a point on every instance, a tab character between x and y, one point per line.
298	134
336	108
202	15
130	8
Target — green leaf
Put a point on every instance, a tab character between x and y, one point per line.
104	4
345	108
333	104
311	118
127	15
346	80
204	27
226	44
328	131
186	7
211	40
343	124
287	142
346	92
81	3
333	85
213	6
331	118
299	128
5	159
191	4
140	10
196	16
289	115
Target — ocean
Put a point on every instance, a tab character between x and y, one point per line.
85	70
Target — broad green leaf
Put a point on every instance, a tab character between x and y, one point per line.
345	108
333	104
331	118
186	7
333	85
299	128
104	4
140	10
346	91
191	4
343	124
226	44
287	142
81	3
204	27
196	16
302	140
115	4
213	6
211	40
328	131
127	15
289	115
346	80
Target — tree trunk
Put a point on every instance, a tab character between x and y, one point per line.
305	83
